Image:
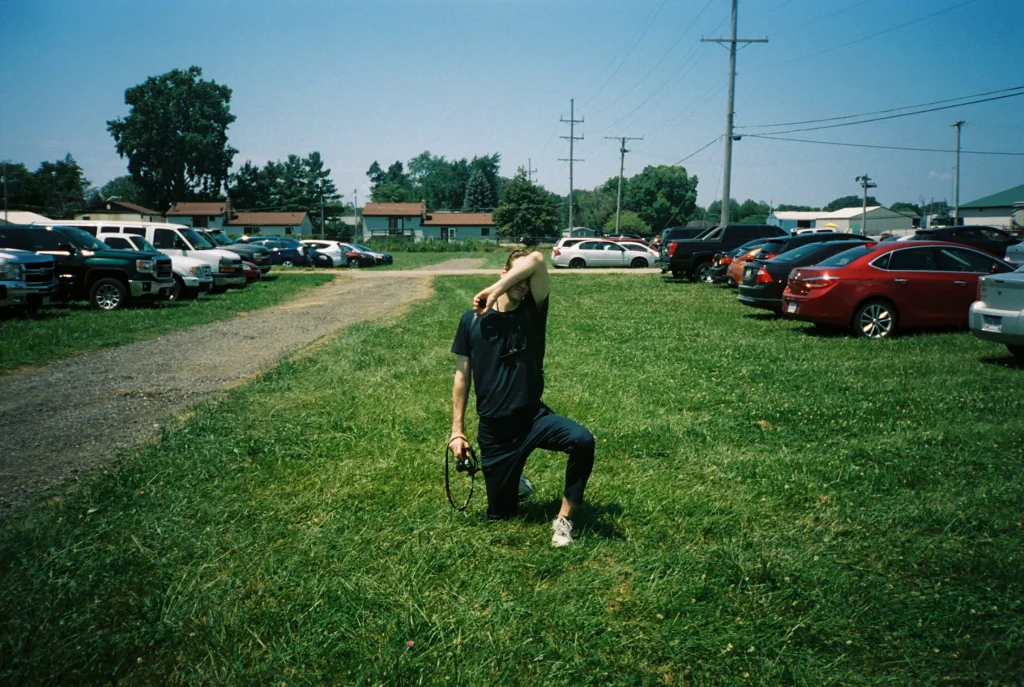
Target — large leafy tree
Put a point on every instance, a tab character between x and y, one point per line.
175	136
56	189
593	208
662	196
906	208
629	223
122	188
850	202
479	194
525	209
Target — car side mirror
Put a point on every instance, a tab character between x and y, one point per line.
66	247
179	244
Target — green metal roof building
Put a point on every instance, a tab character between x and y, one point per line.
996	210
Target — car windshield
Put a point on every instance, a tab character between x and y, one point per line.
81	239
218	239
846	257
196	239
143	244
361	247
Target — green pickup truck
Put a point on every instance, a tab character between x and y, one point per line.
88	270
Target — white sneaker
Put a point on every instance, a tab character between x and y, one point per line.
526	487
562	532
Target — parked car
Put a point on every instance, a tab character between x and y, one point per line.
283	251
318	258
1015	254
254	253
191	276
602	254
988	239
332	250
251	271
27	280
380	257
720	262
764	281
998	313
88	270
174	240
734	272
692	258
537	240
879	288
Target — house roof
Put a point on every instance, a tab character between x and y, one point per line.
258	219
188	209
120	206
1003	199
393	209
457	219
798	214
849	213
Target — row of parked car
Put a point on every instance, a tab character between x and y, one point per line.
111	264
951	276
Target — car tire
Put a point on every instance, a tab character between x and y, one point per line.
875	319
108	294
353	263
1017	351
287	263
218	289
638	263
676	274
178	292
701	271
577	263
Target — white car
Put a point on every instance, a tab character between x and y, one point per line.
591	253
191	276
1015	254
333	249
998	314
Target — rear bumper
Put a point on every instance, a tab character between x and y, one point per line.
773	304
821	310
1000	326
150	289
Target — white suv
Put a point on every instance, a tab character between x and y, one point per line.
191	276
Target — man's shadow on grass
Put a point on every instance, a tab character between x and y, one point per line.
598	519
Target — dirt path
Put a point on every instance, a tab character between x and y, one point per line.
72	416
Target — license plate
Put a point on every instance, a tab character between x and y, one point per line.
790	307
992	324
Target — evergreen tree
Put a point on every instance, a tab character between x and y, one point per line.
525	209
478	193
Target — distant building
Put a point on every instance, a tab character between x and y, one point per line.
579	233
201	215
220	215
995	210
19	217
848	220
411	221
119	210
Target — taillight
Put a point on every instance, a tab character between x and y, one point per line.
558	251
727	260
763	277
980	295
768	256
672	249
822	282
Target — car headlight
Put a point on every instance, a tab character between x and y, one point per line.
144	265
10	271
194	271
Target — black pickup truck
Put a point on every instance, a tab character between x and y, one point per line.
692	258
90	270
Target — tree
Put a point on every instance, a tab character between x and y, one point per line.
662	195
57	189
479	194
906	208
593	208
783	207
175	137
849	202
714	212
525	209
629	223
294	185
122	188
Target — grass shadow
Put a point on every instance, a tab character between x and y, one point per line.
593	519
1008	361
765	316
820	331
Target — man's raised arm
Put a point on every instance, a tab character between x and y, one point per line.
460	395
530	267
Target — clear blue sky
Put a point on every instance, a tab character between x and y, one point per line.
387	79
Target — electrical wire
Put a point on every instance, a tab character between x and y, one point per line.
891	109
629	52
699	150
824	16
897	116
883	147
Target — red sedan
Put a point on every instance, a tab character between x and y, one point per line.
878	288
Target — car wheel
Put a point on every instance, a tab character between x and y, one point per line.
353	262
287	263
108	294
875	320
676	274
577	263
178	292
637	263
1016	351
702	271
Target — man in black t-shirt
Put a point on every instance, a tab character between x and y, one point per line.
501	342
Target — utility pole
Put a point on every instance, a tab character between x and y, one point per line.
572	138
322	234
956	175
530	171
727	170
622	165
5	193
355	212
865	182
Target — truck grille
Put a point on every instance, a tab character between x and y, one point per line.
163	269
38	275
205	271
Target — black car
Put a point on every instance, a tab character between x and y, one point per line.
988	239
283	251
254	253
720	263
764	280
691	258
784	244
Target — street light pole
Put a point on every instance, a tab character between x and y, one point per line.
956	175
865	182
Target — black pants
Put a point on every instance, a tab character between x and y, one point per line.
506	443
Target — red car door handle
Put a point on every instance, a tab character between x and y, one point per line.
959	283
902	281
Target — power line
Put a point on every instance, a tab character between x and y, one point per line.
699	150
897	116
882	147
891	109
647	28
824	16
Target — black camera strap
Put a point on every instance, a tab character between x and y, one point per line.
468	465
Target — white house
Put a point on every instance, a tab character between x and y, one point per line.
995	210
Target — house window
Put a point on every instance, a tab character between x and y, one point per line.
485	231
201	222
287	231
444	233
803	224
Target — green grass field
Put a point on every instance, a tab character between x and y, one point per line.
60	331
769	505
411	261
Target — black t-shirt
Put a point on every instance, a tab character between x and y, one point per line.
506	354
